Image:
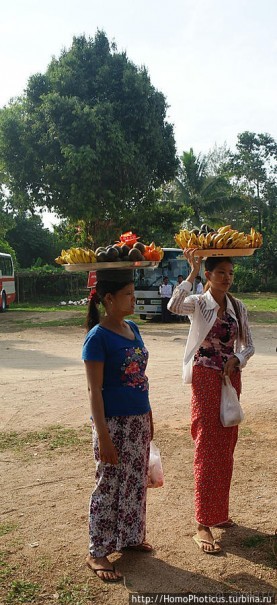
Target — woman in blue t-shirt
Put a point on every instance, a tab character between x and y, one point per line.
115	359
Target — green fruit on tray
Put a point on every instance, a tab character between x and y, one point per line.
101	257
125	250
139	246
118	248
112	254
135	255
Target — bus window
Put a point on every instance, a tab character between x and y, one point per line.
147	282
147	278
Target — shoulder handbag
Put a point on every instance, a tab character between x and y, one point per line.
231	412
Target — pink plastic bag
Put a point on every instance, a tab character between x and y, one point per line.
155	472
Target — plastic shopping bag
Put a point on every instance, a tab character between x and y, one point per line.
231	412
155	472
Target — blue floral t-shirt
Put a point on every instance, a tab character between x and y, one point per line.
125	385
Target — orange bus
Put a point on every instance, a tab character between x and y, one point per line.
7	281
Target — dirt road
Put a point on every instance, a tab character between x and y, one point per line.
47	486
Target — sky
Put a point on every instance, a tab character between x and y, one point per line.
214	60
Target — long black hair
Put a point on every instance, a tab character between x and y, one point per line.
210	264
98	296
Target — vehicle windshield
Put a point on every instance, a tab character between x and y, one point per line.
171	266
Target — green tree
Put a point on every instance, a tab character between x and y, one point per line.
89	139
6	218
208	197
33	244
158	217
7	249
216	160
6	223
253	168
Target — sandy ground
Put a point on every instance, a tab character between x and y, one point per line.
45	490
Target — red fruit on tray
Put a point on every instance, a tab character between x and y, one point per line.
129	238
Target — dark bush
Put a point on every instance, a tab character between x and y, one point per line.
253	279
32	286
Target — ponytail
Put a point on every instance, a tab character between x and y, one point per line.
97	296
93	315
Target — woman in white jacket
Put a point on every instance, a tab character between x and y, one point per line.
219	344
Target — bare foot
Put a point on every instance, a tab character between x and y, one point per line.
208	543
104	570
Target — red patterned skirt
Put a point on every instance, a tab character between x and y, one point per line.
214	446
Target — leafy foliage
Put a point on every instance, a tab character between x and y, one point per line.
90	137
253	168
207	197
6	218
33	244
6	248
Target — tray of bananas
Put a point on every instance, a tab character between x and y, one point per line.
224	241
124	254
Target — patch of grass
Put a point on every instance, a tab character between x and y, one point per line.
78	320
64	438
46	307
262	308
262	317
6	570
13	440
73	594
8	440
6	528
22	592
259	301
54	437
45	563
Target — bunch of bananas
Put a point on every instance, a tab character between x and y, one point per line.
224	237
75	256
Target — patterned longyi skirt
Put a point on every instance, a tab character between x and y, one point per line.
117	511
214	446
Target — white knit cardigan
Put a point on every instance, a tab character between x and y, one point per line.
202	311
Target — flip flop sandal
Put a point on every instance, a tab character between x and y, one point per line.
200	543
104	569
